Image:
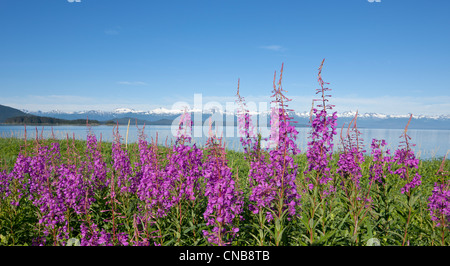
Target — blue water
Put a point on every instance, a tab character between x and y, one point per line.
429	143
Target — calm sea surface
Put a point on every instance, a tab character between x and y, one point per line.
429	143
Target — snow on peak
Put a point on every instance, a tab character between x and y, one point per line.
162	111
211	110
125	110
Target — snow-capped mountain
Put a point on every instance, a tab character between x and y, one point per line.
351	114
365	120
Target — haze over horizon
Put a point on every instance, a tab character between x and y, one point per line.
388	57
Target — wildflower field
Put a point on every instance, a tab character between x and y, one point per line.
93	193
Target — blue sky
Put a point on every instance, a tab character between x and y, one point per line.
390	57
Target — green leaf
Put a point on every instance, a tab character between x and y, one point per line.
191	228
305	222
413	199
324	238
369	230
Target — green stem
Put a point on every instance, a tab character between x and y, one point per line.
408	220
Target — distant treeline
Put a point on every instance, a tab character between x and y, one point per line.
31	120
42	120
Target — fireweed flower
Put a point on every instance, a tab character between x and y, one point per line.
225	201
126	181
73	190
94	178
153	188
439	201
352	155
106	239
439	204
95	166
184	170
380	160
349	165
349	168
262	192
122	183
44	186
272	180
15	183
184	166
282	168
406	159
320	147
5	180
89	235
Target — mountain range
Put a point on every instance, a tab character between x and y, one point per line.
163	116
